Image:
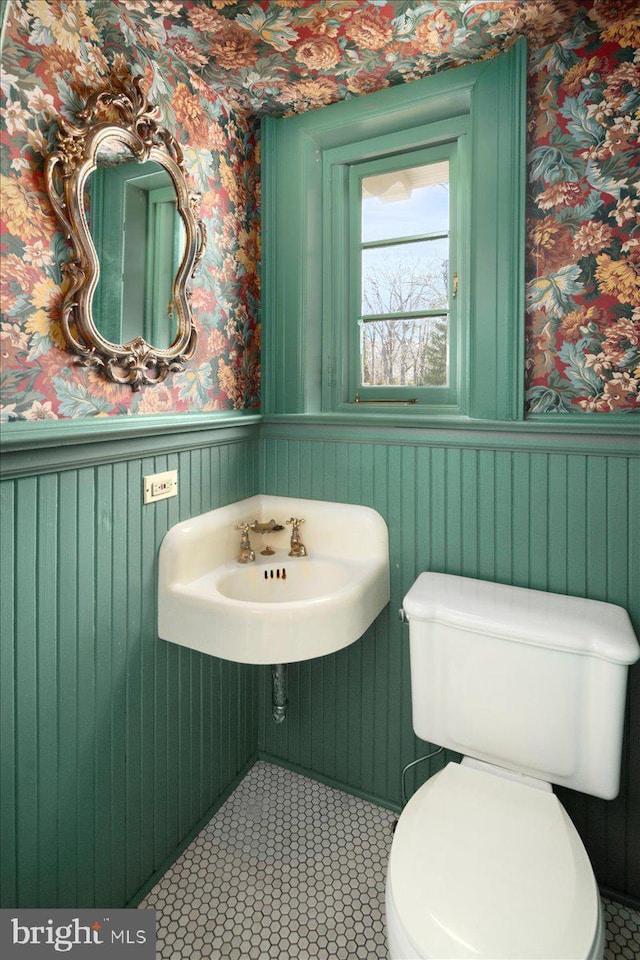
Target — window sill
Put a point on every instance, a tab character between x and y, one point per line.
402	410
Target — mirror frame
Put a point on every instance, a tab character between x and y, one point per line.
119	110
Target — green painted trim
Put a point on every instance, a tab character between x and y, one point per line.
269	255
357	112
395	145
496	298
36	448
191	835
62	445
304	163
569	437
379	801
26	434
597	420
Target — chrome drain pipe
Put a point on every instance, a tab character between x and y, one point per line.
279	701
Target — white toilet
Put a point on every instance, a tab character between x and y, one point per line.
530	688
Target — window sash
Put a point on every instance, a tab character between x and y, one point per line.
404	315
441	396
398	241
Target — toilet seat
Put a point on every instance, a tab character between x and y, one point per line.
486	867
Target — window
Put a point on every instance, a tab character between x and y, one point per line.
392	322
403	335
393	250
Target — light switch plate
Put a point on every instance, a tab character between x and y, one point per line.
160	486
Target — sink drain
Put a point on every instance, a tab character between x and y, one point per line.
279	573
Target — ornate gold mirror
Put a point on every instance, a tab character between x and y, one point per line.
117	184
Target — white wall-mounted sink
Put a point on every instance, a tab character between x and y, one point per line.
276	609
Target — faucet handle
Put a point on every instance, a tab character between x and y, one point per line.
298	548
246	553
245	527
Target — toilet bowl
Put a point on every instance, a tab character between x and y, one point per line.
490	867
529	687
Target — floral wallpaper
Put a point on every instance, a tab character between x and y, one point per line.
583	235
215	67
55	53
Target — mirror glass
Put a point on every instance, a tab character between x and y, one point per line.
140	238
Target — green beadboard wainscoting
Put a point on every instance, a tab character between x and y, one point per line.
540	507
114	744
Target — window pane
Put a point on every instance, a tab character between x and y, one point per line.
405	203
405	278
405	352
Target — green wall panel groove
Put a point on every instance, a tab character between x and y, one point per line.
558	521
114	743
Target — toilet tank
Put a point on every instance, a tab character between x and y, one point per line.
531	681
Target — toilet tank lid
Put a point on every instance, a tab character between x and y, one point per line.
573	624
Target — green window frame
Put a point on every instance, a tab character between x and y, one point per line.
311	163
399	317
345	303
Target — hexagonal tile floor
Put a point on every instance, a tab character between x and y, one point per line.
623	931
287	868
262	883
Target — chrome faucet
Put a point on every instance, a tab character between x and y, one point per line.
298	548
246	554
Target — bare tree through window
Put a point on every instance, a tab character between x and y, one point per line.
404	319
404	351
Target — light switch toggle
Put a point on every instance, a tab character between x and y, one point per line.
160	486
